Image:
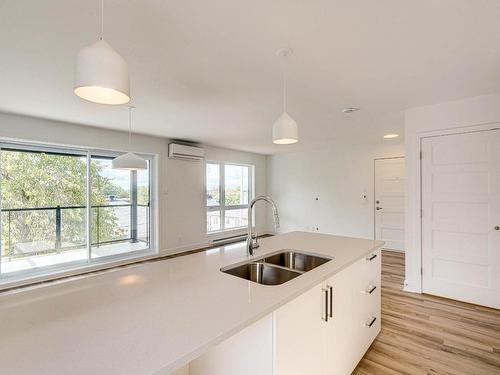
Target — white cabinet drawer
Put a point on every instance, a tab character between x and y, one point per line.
367	271
366	303
365	326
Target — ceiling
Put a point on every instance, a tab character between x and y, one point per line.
207	71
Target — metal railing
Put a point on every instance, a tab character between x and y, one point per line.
58	244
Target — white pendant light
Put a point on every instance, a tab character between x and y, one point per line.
101	74
285	129
129	161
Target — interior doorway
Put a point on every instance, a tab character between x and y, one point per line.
389	204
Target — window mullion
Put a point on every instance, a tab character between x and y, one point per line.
222	179
250	190
89	207
133	207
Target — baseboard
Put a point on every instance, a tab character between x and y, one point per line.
411	288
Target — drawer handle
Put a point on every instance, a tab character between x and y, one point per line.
371	257
372	289
325	317
371	322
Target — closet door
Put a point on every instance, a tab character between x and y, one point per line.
461	217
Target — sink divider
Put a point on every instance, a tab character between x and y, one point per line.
281	267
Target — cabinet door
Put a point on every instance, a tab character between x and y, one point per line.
339	359
300	332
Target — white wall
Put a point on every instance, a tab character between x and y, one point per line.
181	191
338	177
477	113
185	192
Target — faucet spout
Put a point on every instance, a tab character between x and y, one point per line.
252	241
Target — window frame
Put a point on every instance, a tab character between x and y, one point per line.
222	207
90	264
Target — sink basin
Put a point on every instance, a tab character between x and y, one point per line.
296	261
262	273
277	268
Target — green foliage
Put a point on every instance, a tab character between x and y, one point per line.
115	190
233	196
39	180
142	195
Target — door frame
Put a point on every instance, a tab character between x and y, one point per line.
374	190
413	215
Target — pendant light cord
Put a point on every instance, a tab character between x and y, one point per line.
284	87
283	53
130	108
102	20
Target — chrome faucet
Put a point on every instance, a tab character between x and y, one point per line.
252	242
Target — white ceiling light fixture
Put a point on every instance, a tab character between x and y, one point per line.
391	136
101	74
285	129
129	161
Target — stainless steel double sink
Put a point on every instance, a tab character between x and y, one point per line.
276	268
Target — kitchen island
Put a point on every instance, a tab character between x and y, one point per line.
156	317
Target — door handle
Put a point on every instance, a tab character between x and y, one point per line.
497	227
331	301
378	208
325	293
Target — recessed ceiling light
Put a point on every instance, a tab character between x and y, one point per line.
389	136
350	110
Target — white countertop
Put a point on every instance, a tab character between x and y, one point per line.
154	317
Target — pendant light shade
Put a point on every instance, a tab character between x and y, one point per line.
101	75
129	161
285	130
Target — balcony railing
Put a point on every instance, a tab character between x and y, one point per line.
56	233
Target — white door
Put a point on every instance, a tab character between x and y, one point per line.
390	202
461	217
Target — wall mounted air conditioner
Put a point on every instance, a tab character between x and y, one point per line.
184	152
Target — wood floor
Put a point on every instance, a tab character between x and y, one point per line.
423	334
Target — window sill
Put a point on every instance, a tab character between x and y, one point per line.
72	270
227	232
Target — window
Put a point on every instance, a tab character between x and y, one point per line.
46	203
229	190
